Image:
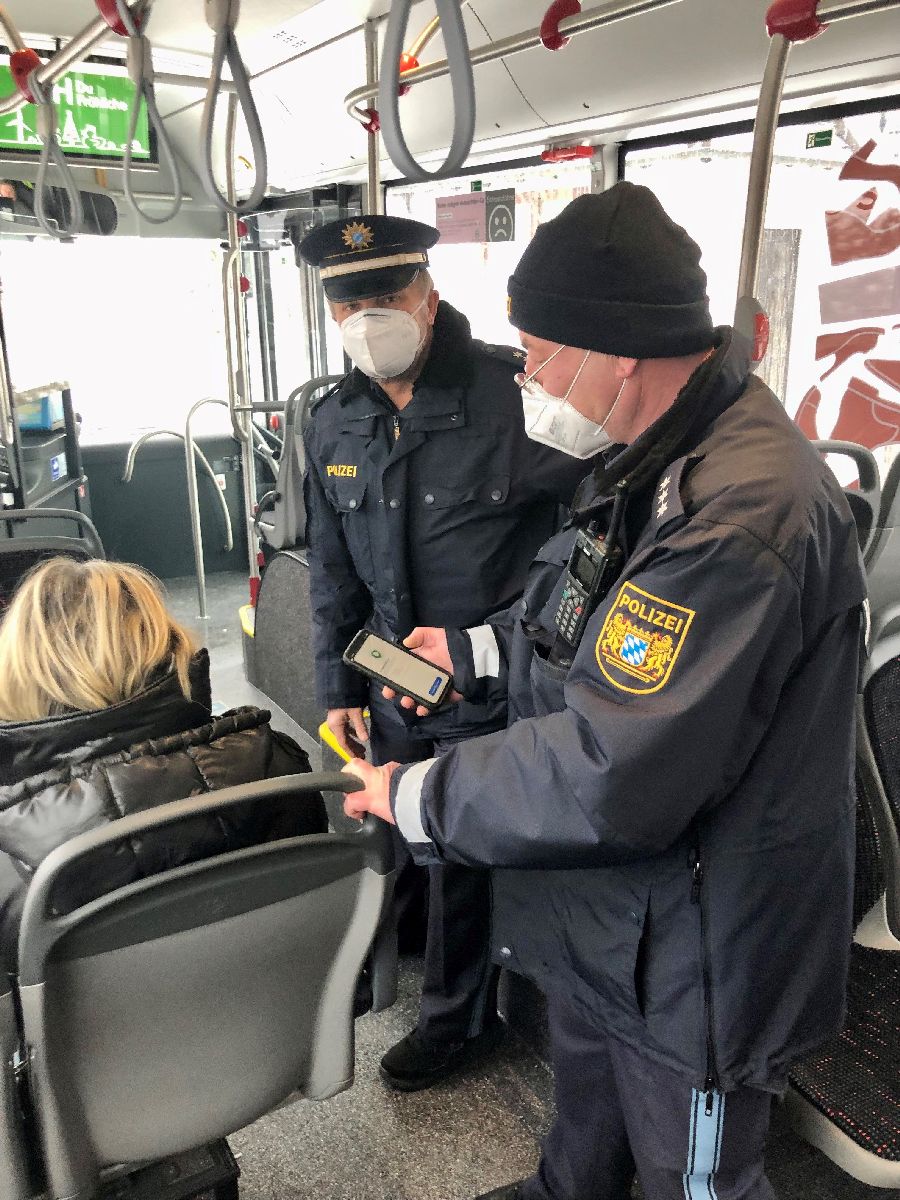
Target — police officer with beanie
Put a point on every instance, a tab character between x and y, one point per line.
669	816
425	504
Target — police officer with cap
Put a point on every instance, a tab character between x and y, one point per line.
670	815
425	504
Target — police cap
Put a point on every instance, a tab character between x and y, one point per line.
365	256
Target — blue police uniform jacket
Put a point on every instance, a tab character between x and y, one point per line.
426	516
671	819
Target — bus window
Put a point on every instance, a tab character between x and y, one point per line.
829	266
476	254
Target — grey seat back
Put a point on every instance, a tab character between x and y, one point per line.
283	524
23	546
865	499
181	1007
884	560
15	1181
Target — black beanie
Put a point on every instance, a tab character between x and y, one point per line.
614	273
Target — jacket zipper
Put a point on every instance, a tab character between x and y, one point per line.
711	1082
396	427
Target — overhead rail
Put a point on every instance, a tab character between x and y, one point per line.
550	35
222	17
459	67
787	21
140	71
34	76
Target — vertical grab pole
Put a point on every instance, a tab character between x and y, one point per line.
373	193
7	416
787	21
190	467
239	379
764	129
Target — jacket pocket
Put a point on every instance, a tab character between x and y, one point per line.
608	953
347	497
491	492
548	681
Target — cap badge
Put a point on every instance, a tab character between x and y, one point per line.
358	236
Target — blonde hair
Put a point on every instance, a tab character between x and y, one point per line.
81	636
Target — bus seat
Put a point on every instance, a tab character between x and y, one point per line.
844	1099
864	500
281	519
182	1007
16	1182
20	551
884	557
281	664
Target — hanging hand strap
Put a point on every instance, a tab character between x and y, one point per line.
222	17
52	151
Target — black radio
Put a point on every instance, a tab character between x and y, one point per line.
593	565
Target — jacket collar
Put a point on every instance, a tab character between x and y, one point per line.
450	364
31	747
713	388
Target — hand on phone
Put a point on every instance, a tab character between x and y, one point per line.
430	643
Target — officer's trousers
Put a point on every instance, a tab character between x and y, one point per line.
620	1114
459	987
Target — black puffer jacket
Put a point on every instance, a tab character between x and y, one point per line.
62	776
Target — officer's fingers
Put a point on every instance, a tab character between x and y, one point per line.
338	726
359	725
416	639
408	702
353	809
388	693
421	711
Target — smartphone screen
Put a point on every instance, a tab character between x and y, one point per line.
402	670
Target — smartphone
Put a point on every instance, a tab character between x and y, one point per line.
399	669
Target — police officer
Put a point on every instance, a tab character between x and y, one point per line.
670	816
425	503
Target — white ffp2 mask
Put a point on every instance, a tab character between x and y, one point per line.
553	421
383	342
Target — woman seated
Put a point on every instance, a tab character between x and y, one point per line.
105	709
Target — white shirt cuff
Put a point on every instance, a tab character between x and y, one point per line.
408	801
485	651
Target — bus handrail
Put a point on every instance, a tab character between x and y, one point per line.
594	18
222	18
52	151
140	71
193	500
459	67
747	308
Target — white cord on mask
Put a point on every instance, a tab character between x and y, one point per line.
459	64
140	70
51	149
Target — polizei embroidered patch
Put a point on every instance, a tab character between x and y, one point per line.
640	640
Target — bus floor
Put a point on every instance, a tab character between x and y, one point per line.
462	1137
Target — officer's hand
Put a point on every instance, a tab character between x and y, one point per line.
429	643
349	730
376	796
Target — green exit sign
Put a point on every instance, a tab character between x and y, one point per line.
821	137
476	185
92	111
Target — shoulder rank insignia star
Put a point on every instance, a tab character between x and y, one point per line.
358	236
641	638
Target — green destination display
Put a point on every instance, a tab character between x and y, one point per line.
93	111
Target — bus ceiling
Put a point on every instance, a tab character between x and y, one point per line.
542	74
